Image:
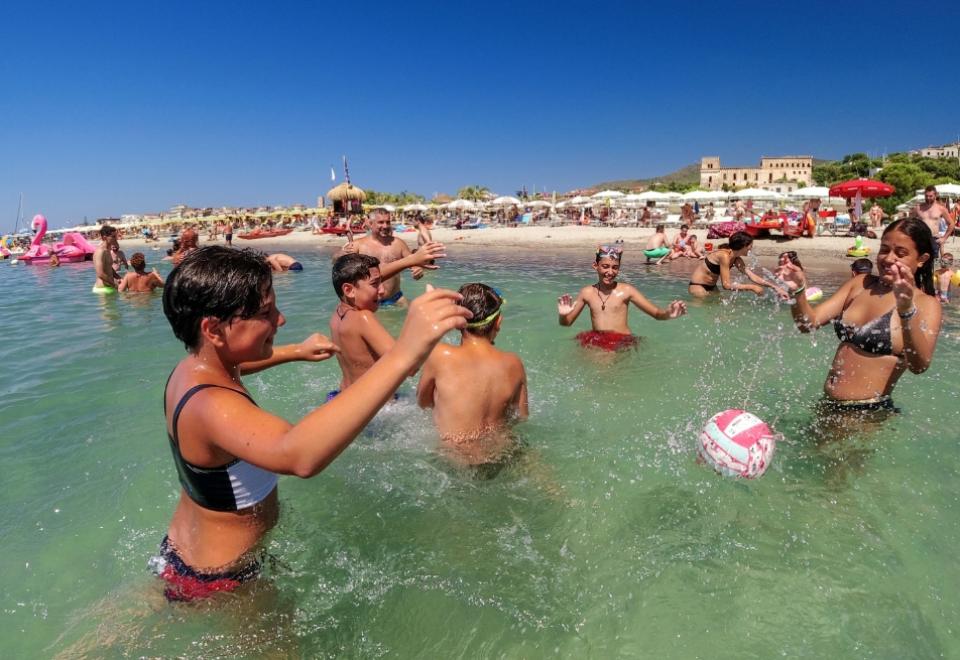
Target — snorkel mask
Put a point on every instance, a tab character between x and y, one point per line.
609	252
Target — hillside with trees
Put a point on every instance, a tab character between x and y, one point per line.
905	172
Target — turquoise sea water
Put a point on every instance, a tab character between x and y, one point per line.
606	540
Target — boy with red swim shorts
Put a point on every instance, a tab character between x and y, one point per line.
609	302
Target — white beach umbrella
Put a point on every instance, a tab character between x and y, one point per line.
580	200
415	207
632	197
506	200
698	196
653	196
758	193
461	205
951	189
810	192
537	203
608	194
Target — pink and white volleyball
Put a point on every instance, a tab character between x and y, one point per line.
737	444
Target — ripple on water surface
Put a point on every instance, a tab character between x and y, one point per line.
606	537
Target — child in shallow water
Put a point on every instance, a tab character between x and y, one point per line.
609	302
473	388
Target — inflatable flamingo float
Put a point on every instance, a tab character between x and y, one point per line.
73	248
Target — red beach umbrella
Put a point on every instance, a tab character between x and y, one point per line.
866	187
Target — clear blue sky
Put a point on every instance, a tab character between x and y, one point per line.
128	107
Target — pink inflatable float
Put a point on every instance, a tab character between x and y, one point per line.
73	248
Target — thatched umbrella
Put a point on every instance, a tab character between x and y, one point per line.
347	198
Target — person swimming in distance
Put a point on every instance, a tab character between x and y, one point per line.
140	281
609	301
717	265
475	388
887	323
221	304
280	263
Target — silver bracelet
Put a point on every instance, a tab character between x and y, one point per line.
908	315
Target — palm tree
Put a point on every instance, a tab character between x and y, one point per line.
473	193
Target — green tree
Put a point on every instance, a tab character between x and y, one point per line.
473	193
907	178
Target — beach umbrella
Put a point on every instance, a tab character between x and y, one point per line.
632	197
579	200
653	196
461	205
866	188
608	194
758	193
698	196
810	192
538	203
415	207
505	201
951	189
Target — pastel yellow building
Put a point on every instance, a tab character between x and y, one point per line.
773	171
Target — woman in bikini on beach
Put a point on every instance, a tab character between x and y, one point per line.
887	323
717	265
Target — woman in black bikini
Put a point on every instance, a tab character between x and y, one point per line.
886	323
716	267
228	452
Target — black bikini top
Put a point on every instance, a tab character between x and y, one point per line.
232	487
712	267
872	337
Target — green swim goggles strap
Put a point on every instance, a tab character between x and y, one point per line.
489	319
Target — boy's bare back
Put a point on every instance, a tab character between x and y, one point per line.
473	389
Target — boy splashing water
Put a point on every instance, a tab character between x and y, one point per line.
609	302
473	388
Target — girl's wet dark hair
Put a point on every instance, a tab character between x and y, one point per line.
350	269
922	238
792	257
214	281
738	241
483	301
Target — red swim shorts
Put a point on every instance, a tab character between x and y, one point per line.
607	341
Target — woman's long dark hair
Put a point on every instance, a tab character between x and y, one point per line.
738	241
922	238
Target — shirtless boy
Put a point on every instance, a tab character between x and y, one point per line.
140	281
103	261
943	277
382	244
932	212
609	302
358	283
656	245
475	388
280	262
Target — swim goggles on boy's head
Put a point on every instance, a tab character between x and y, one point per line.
609	252
489	319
